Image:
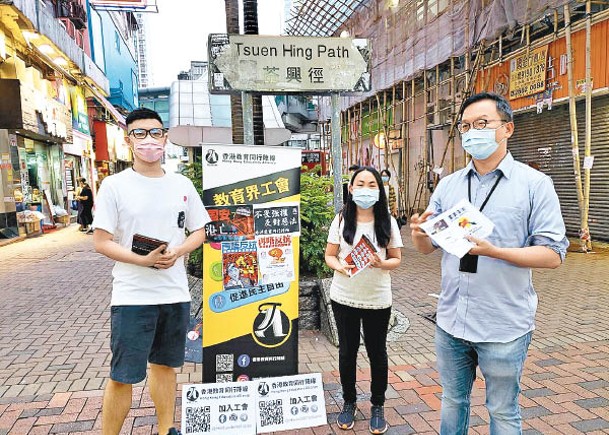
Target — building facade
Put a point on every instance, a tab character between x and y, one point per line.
429	55
53	94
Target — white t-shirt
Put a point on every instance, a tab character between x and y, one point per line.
129	203
371	288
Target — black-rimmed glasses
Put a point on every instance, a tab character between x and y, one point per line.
141	133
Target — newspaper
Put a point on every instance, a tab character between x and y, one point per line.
449	229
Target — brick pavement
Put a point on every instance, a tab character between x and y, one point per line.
55	292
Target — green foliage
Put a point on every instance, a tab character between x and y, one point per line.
194	172
316	213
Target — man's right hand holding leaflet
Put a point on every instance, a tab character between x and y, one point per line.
420	239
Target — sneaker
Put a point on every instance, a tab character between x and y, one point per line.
174	431
377	420
346	418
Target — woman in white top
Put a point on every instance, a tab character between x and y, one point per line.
365	298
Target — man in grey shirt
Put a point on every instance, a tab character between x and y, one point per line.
486	310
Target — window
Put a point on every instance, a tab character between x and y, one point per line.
134	86
420	11
117	41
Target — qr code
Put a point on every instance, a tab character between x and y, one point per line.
198	420
271	412
224	377
224	362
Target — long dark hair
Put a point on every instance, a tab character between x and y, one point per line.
382	219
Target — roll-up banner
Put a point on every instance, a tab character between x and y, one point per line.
250	262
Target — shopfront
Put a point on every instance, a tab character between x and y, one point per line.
31	137
111	152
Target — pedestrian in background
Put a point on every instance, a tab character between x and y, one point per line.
486	310
150	297
351	170
85	206
390	192
364	299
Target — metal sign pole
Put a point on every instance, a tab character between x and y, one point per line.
248	118
337	155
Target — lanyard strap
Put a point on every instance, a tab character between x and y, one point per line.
469	189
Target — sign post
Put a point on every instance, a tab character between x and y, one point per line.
286	64
337	154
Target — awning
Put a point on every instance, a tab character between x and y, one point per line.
120	119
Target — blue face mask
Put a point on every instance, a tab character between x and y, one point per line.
480	144
365	197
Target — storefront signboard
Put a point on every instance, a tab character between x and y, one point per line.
528	73
80	118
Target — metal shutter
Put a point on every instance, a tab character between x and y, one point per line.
545	139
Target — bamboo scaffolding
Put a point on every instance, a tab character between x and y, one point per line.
573	122
586	238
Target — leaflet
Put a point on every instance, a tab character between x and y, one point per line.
449	229
360	256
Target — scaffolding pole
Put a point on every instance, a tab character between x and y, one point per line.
573	124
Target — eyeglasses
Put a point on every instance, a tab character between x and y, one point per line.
478	124
141	133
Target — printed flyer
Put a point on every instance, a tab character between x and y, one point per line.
239	264
450	228
275	258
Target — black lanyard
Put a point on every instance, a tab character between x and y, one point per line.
469	262
469	189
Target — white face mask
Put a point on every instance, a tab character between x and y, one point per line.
365	197
480	144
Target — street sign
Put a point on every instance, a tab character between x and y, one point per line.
285	64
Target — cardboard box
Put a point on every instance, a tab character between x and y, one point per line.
65	220
32	227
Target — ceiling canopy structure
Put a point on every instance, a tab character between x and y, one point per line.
320	17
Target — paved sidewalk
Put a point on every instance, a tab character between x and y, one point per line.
54	357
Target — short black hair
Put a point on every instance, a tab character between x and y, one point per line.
353	167
142	113
503	106
386	172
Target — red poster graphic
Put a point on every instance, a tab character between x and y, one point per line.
360	255
239	264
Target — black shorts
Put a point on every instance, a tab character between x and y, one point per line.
146	333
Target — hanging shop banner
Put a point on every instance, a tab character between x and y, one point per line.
528	73
252	407
250	262
80	118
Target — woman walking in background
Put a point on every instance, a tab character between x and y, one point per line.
85	206
364	299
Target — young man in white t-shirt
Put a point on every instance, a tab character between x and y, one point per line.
150	296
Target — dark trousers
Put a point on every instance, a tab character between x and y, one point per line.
375	323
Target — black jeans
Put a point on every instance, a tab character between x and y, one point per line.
376	323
